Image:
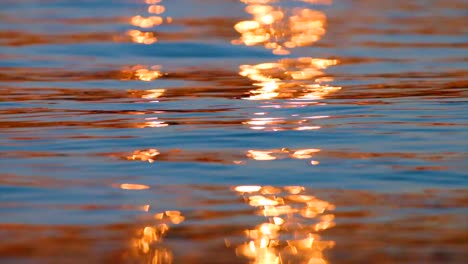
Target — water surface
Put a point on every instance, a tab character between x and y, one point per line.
233	131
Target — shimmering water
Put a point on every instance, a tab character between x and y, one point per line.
233	131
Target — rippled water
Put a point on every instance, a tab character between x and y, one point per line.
233	131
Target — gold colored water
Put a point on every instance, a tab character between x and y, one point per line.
247	131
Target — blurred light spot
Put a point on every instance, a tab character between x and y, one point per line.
129	186
247	188
144	155
260	155
304	153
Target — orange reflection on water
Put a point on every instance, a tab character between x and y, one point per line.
153	93
142	73
131	186
221	157
147	75
279	29
290	234
281	123
142	37
260	155
146	22
299	78
152	2
156	9
319	2
152	122
283	153
304	153
268	85
283	29
247	188
147	245
317	91
144	155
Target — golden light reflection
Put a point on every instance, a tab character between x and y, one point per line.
260	155
247	189
146	74
130	186
278	29
291	231
153	122
273	154
142	73
299	79
141	37
283	29
304	153
314	162
156	9
144	155
294	122
290	79
153	93
146	22
153	19
152	2
149	122
307	128
148	239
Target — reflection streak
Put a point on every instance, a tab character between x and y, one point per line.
290	79
151	21
290	233
147	244
278	29
226	157
302	78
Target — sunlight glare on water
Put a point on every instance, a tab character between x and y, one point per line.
240	131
